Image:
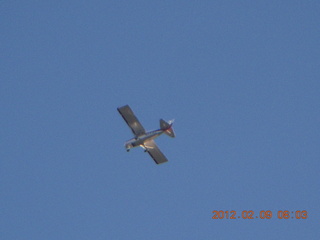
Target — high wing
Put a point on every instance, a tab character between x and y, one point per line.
155	152
131	120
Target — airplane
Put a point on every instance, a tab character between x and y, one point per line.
145	139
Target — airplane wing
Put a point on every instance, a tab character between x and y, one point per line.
155	152
131	120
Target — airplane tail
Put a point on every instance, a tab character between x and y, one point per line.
167	127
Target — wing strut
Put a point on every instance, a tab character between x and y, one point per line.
155	152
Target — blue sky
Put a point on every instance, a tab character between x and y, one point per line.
240	78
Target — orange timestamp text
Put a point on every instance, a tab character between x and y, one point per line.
263	214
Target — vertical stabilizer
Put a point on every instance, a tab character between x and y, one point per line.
167	127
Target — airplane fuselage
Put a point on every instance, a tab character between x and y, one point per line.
139	141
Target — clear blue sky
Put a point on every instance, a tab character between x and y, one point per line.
241	79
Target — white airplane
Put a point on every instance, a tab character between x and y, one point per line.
145	139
